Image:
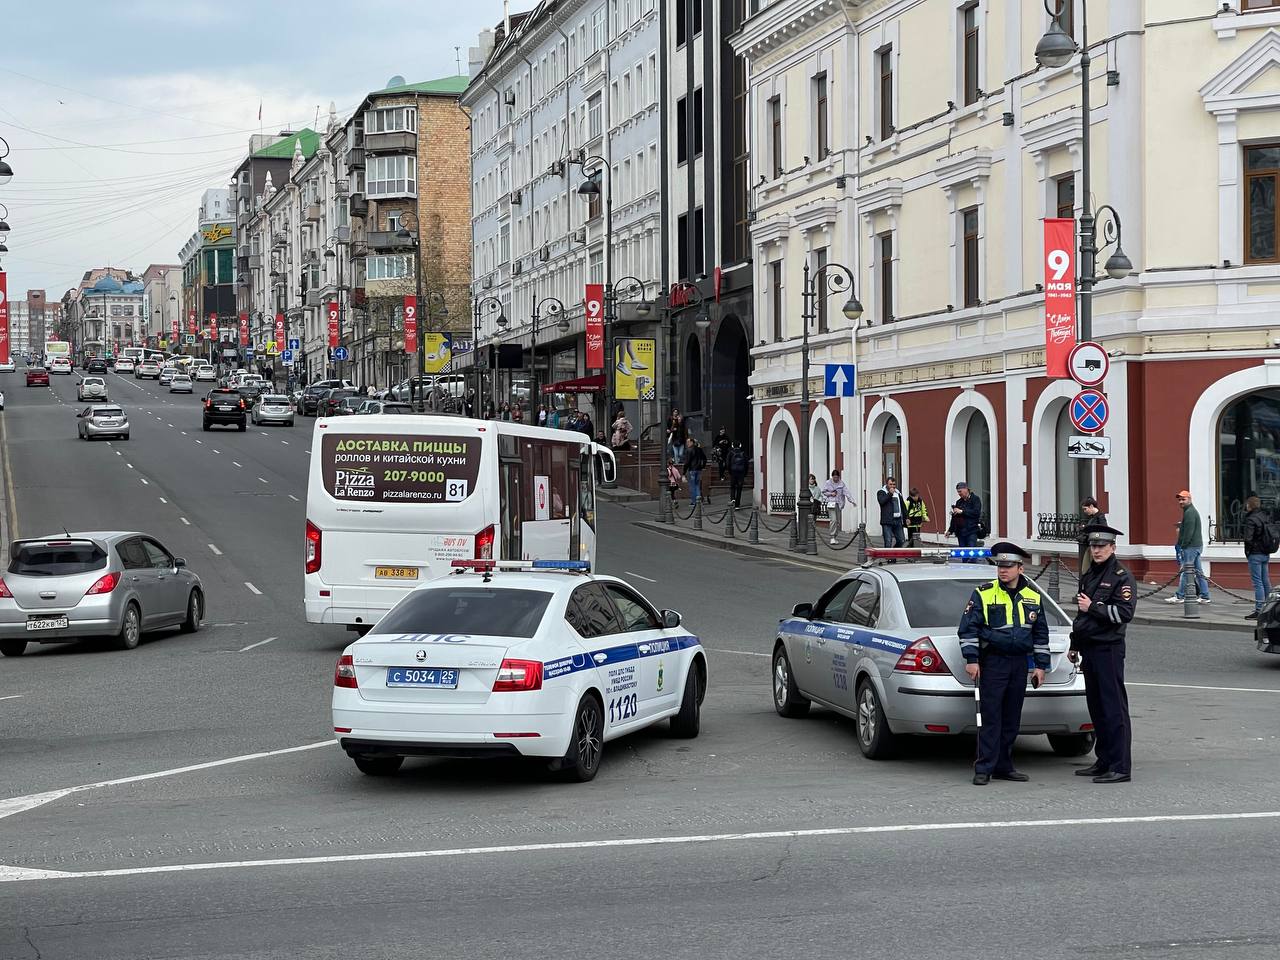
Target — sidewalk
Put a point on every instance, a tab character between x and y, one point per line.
1224	614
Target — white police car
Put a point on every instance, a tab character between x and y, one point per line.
517	658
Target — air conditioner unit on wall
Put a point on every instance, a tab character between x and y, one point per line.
517	268
488	283
516	198
580	235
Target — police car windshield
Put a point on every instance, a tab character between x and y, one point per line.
477	611
937	604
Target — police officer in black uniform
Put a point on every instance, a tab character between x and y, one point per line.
1106	601
1002	626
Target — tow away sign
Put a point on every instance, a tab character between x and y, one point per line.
1089	448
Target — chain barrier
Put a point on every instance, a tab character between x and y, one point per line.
686	516
746	526
782	529
1230	593
719	519
848	543
1168	583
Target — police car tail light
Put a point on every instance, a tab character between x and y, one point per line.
921	657
516	675
344	674
314	540
484	543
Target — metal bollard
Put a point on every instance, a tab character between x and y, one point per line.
811	537
728	522
697	515
1055	585
671	508
792	535
861	536
663	493
1190	604
753	527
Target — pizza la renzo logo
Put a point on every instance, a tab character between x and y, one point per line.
357	483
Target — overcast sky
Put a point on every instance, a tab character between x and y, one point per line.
119	115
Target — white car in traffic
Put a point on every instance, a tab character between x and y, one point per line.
205	372
60	365
124	365
516	658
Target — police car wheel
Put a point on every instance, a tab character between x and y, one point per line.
1071	744
688	721
786	695
874	737
378	766
586	743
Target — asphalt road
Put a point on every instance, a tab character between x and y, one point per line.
764	837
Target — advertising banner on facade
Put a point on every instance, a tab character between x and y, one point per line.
1059	295
593	304
213	326
191	322
633	360
244	329
173	329
410	324
334	332
280	337
437	351
4	317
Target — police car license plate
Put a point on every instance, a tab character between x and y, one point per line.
46	623
445	678
395	573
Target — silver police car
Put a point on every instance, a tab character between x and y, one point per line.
881	646
115	584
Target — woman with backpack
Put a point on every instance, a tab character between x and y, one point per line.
1261	539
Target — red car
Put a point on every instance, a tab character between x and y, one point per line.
37	377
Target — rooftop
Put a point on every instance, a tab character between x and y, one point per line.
444	86
283	149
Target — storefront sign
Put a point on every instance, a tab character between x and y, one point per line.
280	334
244	329
410	324
594	306
634	361
216	233
437	350
334	331
1059	295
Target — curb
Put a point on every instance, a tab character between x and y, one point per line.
1182	624
735	546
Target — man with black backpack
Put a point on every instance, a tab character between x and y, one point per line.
1261	540
738	464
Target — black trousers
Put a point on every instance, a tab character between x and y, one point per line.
736	480
1002	684
1108	701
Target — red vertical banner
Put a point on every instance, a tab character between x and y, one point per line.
333	324
191	322
410	324
213	327
280	337
1059	295
593	305
173	331
244	329
4	317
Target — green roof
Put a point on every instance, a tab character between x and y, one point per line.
309	139
450	86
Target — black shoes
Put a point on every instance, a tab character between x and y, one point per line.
1251	616
1112	777
1013	775
1094	770
981	779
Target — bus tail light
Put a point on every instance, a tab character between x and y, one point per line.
344	674
314	540
484	543
921	657
517	675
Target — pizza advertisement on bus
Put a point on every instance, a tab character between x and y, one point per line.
400	468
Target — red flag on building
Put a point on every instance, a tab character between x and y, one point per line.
280	338
1059	294
213	327
191	323
594	307
410	324
244	329
334	332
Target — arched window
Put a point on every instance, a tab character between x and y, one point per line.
693	374
789	462
1248	459
1071	477
977	462
891	451
820	452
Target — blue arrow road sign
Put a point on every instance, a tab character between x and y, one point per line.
341	353
1089	411
287	356
295	343
841	380
248	354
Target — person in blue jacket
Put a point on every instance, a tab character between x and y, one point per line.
1002	625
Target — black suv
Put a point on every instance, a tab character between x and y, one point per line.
225	407
309	402
96	365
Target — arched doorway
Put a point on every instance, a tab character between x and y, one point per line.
820	451
977	461
1071	477
891	451
730	371
781	463
693	376
1248	459
789	463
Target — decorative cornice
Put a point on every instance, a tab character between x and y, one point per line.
963	168
782	22
879	197
1059	129
1227	92
818	214
771	230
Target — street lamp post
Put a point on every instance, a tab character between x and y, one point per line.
490	303
6	171
819	285
330	253
594	169
555	308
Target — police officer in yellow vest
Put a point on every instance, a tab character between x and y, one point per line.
1003	624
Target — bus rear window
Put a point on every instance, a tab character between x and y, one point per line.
471	611
400	467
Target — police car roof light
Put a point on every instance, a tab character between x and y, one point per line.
489	566
917	553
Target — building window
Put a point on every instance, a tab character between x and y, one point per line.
697	122
1065	197
820	119
1261	172
595	118
682	130
598	37
971	53
775	135
1259	5
885	252
391	120
969	220
1247	454
388	267
775	293
819	285
393	176
699	246
884	61
1067	19
682	247
740	241
682	29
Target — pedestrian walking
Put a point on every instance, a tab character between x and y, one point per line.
966	516
1003	623
677	434
815	500
738	464
621	431
1090	516
1261	540
835	495
720	452
673	478
893	514
695	461
1187	550
553	419
1106	602
542	415
917	516
584	424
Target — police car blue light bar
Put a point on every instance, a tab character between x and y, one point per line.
917	553
488	566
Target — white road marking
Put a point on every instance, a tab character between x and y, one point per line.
119	454
306	451
294	499
216	551
741	653
15	696
145	480
264	480
11	805
185	520
629	573
252	588
217	451
258	644
233	463
184	433
163	500
199	441
14	874
129	465
1192	686
263	432
285	442
171	425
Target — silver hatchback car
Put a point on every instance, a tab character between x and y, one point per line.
881	646
116	584
102	420
273	408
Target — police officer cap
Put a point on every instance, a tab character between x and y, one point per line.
1006	554
1103	534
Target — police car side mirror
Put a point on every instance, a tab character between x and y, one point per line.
804	610
670	619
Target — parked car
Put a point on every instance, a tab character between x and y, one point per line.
102	420
37	377
91	388
180	383
309	404
272	408
225	407
114	584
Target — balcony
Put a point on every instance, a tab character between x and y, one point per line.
404	142
312	214
255	261
242	250
359	206
379	241
313	298
355	158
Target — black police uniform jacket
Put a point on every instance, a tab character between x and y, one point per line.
1114	595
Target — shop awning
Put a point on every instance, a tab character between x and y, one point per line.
581	385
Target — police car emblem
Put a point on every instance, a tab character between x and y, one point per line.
420	656
808	650
659	675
